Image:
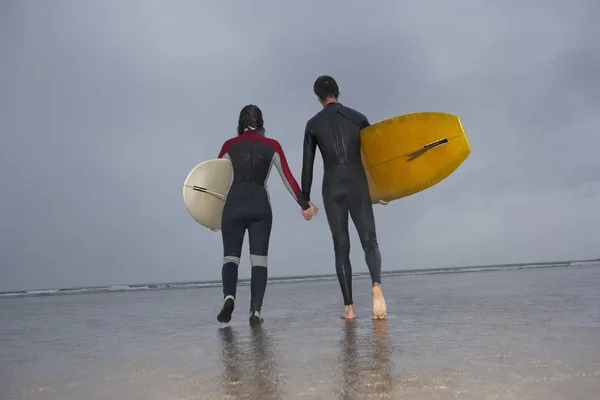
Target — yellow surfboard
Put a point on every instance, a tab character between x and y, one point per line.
409	153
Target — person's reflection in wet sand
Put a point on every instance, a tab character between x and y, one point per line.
375	378
250	374
382	367
230	357
264	365
349	356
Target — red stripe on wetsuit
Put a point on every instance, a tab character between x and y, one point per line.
273	144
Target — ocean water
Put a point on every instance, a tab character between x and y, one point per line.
510	332
279	280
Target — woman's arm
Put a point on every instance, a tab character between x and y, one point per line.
224	150
290	183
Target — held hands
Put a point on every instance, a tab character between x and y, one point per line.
383	202
310	211
215	230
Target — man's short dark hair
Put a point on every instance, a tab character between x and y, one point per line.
325	86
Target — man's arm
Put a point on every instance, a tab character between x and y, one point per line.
308	161
365	123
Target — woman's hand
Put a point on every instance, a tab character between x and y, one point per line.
215	230
383	202
310	211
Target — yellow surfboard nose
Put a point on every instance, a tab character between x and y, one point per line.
409	153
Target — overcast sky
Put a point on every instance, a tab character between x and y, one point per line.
105	106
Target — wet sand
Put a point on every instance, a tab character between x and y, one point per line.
518	334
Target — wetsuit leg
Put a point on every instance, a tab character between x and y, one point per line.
361	211
233	228
259	233
336	210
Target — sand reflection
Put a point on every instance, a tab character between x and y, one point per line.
365	360
250	369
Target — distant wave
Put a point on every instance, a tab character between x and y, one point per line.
290	279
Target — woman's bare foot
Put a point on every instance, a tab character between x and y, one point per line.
379	306
348	312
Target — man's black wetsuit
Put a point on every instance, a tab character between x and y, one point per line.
247	207
336	130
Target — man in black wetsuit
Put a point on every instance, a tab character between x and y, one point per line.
248	208
336	130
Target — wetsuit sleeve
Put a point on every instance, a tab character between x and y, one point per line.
224	150
286	175
308	161
365	122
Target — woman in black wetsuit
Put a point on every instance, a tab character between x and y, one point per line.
247	207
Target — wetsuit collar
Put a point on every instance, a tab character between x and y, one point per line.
252	131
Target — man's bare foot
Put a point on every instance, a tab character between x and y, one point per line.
379	306
348	312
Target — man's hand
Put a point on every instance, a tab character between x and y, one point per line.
215	230
310	211
383	202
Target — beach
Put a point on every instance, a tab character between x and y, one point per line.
494	334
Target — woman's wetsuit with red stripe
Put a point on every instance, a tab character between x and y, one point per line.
248	207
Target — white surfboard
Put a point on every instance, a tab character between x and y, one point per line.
205	190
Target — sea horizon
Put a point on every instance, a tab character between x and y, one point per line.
287	279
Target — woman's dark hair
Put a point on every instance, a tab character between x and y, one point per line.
250	116
325	86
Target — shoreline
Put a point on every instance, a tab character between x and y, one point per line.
11	294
